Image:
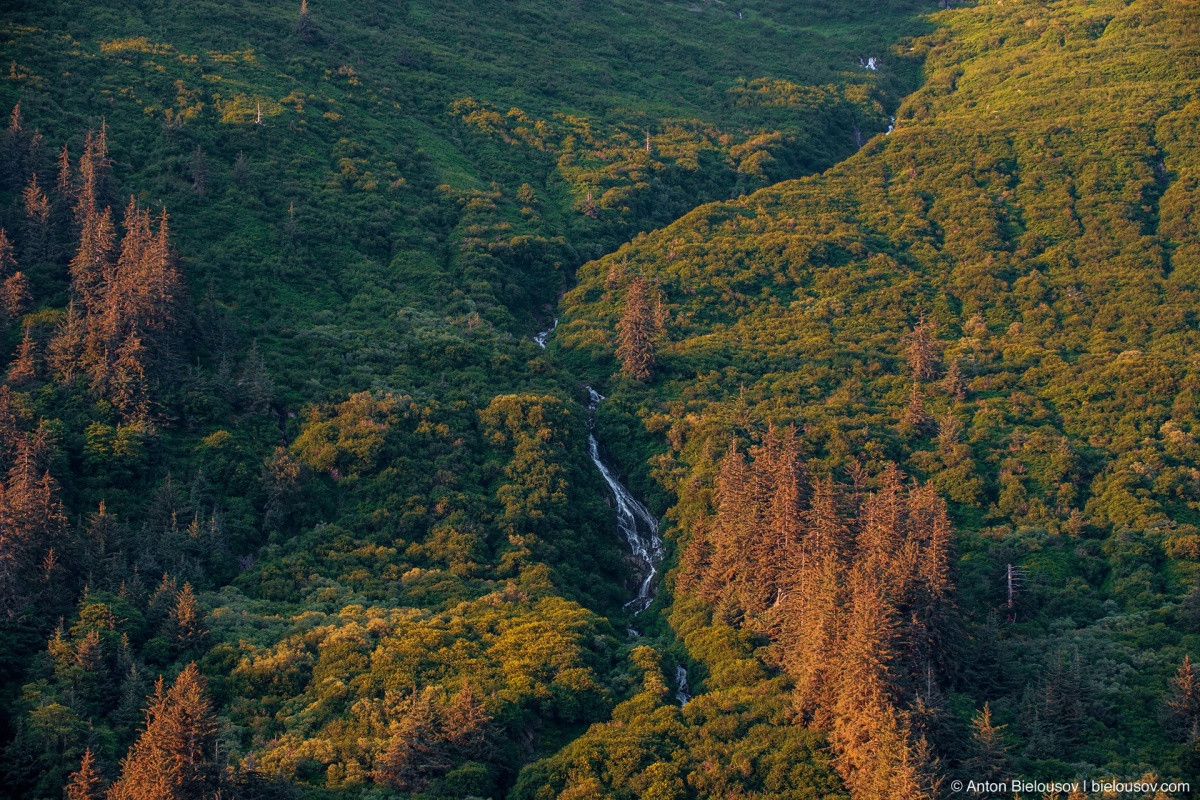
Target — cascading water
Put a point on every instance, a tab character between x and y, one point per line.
634	520
544	336
683	692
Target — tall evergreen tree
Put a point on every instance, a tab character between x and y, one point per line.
91	268
1183	700
185	625
416	753
14	286
175	758
37	222
922	351
23	368
636	330
989	759
84	784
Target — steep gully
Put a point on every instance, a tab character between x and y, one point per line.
636	524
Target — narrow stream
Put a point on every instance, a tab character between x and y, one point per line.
683	692
543	336
637	525
634	520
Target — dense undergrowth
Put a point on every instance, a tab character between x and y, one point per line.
999	297
329	467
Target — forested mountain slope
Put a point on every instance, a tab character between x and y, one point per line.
270	406
294	507
996	300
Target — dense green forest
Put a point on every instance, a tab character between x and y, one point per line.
997	300
894	308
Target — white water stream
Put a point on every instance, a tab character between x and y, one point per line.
544	336
634	520
683	692
636	524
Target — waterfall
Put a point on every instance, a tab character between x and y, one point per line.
637	525
683	692
543	336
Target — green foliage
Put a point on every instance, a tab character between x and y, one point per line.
1020	228
729	741
350	488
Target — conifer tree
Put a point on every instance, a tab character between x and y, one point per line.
175	758
725	534
304	24
1183	700
16	155
430	735
37	222
241	169
185	624
949	430
415	755
785	502
922	353
14	286
914	415
84	784
8	260
64	185
126	382
23	368
103	550
954	383
10	427
15	296
199	167
636	331
469	724
32	524
91	268
66	348
989	761
256	390
95	168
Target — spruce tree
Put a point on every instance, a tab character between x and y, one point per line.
922	352
84	784
175	758
24	367
66	348
8	260
185	624
954	383
37	222
14	286
15	296
256	390
914	415
1183	700
416	753
989	761
636	331
91	268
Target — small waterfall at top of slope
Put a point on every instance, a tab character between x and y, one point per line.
683	692
541	337
634	520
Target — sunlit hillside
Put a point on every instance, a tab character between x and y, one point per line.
584	400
